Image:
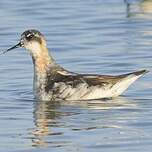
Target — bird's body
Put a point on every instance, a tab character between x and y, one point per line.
59	84
52	82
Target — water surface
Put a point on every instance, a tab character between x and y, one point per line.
93	36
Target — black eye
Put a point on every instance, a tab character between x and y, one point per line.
29	36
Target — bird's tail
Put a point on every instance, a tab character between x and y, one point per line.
137	73
127	80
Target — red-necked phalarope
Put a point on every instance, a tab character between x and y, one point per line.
52	82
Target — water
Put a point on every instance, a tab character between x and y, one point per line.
93	36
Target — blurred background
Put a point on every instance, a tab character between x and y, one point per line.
93	36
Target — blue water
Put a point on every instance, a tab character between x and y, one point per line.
93	36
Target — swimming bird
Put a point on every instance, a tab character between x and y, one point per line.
53	82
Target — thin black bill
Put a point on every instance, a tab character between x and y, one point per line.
14	47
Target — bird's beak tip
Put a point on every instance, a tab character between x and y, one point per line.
14	47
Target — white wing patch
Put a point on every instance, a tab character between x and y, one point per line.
66	73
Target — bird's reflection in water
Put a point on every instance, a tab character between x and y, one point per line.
49	118
43	113
139	8
46	116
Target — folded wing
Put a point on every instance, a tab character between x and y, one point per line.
72	86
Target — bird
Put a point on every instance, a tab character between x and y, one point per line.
52	82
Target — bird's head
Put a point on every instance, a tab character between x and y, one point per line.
33	41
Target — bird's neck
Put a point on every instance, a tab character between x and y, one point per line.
42	61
